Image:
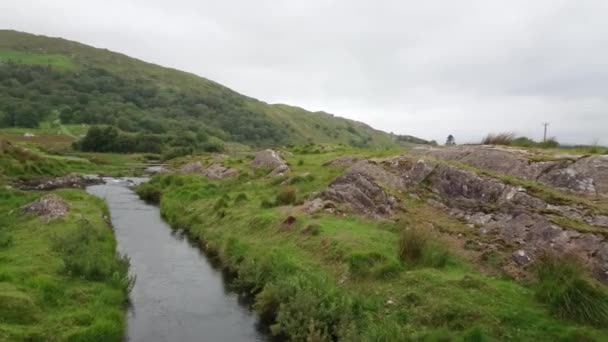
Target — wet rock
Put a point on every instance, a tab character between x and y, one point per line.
69	181
193	167
49	207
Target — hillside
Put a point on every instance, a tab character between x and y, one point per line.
154	108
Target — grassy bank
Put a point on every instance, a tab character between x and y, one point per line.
60	280
330	276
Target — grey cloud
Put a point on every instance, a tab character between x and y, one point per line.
424	68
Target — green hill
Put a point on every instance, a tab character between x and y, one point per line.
153	108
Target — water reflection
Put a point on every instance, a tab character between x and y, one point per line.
180	294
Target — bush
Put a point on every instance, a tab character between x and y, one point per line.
569	293
312	229
219	204
240	198
6	239
330	313
416	247
287	196
88	253
549	143
266	203
499	139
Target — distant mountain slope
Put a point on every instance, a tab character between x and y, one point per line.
44	78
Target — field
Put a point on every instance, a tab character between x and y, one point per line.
55	60
329	275
59	279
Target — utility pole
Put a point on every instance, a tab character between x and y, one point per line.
545	135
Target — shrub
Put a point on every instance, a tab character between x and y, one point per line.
220	203
412	243
568	292
312	229
6	239
300	162
85	254
499	139
416	247
287	196
549	143
330	313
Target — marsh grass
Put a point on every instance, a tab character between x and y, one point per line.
569	293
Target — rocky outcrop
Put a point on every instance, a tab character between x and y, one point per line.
69	181
49	207
359	187
270	159
215	171
585	175
507	213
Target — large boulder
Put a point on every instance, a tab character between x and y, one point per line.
514	219
270	159
49	207
267	159
586	175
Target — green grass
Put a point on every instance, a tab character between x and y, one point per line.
346	280
44	294
569	293
23	57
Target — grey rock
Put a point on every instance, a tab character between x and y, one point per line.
521	257
217	171
362	193
268	159
193	167
49	207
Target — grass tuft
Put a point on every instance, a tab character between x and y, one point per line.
569	293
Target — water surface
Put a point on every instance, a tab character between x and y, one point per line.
178	295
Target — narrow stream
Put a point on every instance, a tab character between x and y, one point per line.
178	295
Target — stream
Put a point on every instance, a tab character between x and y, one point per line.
178	295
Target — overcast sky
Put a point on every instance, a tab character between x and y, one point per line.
426	68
